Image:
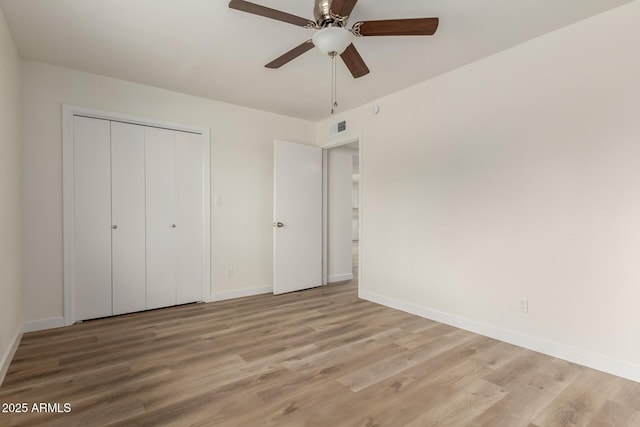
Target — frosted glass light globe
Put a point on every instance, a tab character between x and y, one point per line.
332	39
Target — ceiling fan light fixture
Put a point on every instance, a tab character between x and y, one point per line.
332	39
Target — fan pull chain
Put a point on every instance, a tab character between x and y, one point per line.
334	85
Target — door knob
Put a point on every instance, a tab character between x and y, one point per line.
114	226
278	224
173	226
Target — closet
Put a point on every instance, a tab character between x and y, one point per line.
137	217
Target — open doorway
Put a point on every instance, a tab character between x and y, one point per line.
342	212
355	212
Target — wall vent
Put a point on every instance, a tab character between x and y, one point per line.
336	128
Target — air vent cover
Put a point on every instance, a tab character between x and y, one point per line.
337	128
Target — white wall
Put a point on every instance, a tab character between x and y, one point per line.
339	214
241	167
515	176
10	224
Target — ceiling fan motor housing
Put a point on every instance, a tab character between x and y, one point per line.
323	15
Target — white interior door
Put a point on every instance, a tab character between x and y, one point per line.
297	217
160	218
92	218
153	184
128	218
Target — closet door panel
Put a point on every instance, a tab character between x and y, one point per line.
189	217
160	217
128	216
92	216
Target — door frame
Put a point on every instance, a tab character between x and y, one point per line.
327	145
68	112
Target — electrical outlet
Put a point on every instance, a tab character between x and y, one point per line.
230	271
524	305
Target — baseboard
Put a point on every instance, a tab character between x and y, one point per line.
339	277
7	357
560	351
42	324
221	296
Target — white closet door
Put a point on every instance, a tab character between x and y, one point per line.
92	216
128	217
160	217
189	217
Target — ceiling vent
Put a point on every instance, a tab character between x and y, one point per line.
337	128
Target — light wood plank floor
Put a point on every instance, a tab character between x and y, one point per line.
314	358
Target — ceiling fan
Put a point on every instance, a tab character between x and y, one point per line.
330	19
331	36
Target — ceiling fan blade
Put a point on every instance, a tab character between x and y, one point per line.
397	27
267	12
343	7
354	62
291	55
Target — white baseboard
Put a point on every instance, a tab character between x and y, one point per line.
582	357
7	357
221	296
339	277
42	324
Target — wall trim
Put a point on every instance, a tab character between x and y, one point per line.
225	295
339	277
42	324
7	357
582	357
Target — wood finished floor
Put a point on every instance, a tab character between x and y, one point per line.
314	358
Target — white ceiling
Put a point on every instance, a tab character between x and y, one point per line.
203	48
